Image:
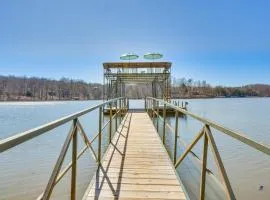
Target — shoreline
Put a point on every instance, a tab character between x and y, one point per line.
218	97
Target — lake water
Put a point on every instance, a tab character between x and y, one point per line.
25	169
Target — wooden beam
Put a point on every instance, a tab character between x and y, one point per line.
164	125
175	137
74	161
165	65
219	163
57	167
99	134
203	169
86	140
110	128
189	148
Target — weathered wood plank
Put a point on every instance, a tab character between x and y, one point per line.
139	194
142	187
138	170
138	175
138	181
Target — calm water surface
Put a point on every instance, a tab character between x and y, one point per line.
247	168
25	169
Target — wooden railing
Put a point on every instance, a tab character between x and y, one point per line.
153	106
121	107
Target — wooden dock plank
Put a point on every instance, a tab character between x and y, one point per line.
135	166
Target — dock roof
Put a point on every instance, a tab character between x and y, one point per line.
166	65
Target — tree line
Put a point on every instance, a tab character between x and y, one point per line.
34	88
189	88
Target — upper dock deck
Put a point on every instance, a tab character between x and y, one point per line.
136	165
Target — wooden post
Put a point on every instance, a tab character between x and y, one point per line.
116	115
99	135
145	103
124	106
127	104
221	168
146	109
120	109
57	167
110	131
175	137
203	169
147	106
164	123
157	114
74	161
153	103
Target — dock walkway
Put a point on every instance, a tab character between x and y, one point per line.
136	165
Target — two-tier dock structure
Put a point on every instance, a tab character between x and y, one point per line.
117	75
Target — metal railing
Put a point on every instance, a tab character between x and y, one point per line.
121	107
152	107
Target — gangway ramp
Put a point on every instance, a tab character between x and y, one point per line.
136	165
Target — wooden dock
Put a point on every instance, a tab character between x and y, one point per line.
136	165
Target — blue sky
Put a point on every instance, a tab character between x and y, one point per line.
222	42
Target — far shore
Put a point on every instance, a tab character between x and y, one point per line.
178	98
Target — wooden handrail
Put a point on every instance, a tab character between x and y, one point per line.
234	134
19	138
181	141
150	104
76	128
